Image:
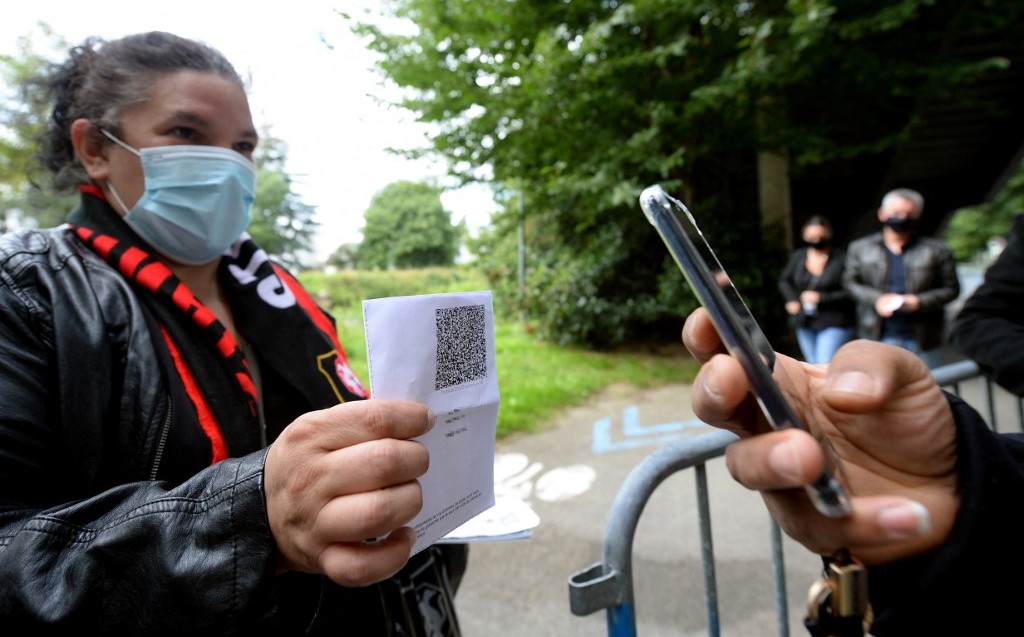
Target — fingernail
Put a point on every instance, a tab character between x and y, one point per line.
853	383
783	459
431	419
711	381
906	520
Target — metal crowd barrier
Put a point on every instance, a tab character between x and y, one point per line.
608	584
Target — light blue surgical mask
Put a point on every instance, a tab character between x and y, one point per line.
196	202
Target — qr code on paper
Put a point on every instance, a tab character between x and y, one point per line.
461	345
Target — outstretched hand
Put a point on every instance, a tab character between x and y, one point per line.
888	421
338	477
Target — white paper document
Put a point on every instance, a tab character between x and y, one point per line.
509	519
438	349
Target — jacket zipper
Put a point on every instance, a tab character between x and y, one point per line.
162	441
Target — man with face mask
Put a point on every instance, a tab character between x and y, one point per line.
901	281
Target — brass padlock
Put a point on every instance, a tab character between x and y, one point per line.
837	604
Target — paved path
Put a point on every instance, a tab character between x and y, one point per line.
570	474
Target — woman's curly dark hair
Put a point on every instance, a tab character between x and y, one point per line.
100	79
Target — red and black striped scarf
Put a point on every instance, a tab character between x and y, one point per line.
271	309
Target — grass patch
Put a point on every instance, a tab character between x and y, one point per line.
538	379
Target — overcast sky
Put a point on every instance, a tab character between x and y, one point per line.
311	81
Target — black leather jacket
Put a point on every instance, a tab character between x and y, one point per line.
931	275
88	537
112	519
835	309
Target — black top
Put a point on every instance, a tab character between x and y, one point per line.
990	327
835	308
898	325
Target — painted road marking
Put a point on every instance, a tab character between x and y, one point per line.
515	475
637	435
565	483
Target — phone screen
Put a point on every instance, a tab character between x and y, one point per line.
738	329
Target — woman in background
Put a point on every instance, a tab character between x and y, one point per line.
819	308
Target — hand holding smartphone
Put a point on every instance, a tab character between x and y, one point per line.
739	331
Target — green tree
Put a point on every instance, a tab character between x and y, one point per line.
344	256
282	224
585	103
408	227
970	229
26	198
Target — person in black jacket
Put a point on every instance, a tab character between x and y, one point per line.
935	493
990	326
900	280
184	448
812	285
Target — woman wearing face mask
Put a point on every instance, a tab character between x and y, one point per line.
183	446
811	283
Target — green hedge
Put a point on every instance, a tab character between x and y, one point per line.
347	288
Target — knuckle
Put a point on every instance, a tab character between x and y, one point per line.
380	510
385	456
376	421
347	567
387	509
300	431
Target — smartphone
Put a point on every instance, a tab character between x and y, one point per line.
740	333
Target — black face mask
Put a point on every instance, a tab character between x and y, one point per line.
824	244
901	224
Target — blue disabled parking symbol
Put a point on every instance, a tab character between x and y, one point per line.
634	435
